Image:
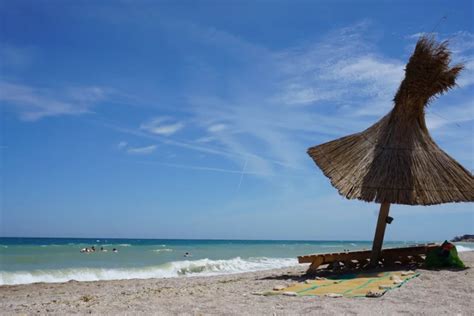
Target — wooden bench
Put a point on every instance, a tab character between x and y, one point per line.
361	259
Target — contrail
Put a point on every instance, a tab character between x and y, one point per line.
202	168
242	173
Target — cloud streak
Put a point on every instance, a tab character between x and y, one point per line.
122	145
332	87
281	102
201	168
162	126
142	150
34	103
215	128
284	101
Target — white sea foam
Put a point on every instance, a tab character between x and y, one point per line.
202	267
51	245
125	245
460	248
163	250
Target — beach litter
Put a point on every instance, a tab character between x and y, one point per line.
374	294
405	273
266	293
333	295
396	280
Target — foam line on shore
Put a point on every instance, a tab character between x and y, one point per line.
202	267
461	248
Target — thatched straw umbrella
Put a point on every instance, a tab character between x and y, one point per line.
396	160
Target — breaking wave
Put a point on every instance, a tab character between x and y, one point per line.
460	248
202	267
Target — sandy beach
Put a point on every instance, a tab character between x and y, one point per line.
432	293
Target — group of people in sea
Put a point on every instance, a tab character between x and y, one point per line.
92	249
102	249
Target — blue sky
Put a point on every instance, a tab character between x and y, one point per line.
191	119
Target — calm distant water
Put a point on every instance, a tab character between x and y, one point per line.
28	260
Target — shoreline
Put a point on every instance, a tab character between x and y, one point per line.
433	292
189	267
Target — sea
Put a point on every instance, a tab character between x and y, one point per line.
31	260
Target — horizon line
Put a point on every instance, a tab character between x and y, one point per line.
217	239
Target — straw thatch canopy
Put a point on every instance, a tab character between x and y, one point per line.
396	160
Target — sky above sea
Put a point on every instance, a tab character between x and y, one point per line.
191	119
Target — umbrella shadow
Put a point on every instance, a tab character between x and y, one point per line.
330	272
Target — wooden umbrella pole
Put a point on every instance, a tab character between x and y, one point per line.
379	233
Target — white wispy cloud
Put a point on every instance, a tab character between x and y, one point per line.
342	68
216	128
205	139
467	78
417	35
339	84
162	126
456	115
281	102
288	100
461	42
200	168
34	103
192	145
142	150
122	145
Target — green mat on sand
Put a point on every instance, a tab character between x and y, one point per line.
349	285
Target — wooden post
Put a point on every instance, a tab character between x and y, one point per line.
379	234
313	268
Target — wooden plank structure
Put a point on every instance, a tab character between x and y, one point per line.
361	259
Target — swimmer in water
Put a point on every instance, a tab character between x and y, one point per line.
187	254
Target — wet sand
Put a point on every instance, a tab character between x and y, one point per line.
433	293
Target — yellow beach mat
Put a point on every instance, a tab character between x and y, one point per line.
351	285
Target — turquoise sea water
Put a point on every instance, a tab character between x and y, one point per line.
29	260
